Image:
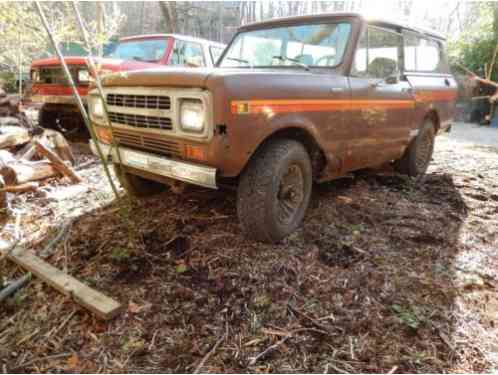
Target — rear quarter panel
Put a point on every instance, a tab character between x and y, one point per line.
433	93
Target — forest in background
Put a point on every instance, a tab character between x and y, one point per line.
471	27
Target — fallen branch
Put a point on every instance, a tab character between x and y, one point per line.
14	286
57	162
269	349
209	354
51	246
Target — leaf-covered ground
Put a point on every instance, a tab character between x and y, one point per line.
384	275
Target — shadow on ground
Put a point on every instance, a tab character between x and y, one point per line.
366	285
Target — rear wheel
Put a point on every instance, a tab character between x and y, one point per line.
274	191
418	154
137	186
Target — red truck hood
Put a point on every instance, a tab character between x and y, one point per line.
116	65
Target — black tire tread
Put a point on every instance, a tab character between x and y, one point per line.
253	185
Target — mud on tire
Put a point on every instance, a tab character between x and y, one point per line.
418	154
137	186
274	191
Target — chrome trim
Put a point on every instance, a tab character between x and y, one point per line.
187	172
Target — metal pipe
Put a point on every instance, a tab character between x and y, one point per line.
95	73
76	95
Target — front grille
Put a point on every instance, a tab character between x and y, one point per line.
139	101
141	121
147	142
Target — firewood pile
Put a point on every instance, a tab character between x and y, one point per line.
29	154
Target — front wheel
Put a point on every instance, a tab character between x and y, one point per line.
274	191
137	186
418	154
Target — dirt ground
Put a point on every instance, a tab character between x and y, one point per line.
384	275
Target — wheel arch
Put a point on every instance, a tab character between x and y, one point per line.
306	138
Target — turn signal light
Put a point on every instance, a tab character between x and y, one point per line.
104	134
195	152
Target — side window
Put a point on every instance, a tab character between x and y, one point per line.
377	54
424	55
215	53
383	52
187	53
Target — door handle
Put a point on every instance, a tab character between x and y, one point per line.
447	82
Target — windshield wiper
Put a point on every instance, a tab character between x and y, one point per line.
296	62
239	60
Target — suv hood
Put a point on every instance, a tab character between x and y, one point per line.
115	65
205	77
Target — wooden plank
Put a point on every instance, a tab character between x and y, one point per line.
98	303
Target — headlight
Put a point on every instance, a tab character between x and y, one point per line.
97	107
192	115
83	75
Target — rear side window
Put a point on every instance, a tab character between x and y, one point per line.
187	53
424	55
215	53
377	54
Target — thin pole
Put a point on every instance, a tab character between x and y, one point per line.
20	66
95	73
77	97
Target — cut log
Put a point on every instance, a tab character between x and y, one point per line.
6	160
28	186
11	136
60	144
27	172
57	162
101	305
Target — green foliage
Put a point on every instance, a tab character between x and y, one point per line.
8	81
476	45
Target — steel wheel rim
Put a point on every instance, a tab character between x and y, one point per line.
424	152
290	194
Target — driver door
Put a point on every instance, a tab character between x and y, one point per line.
382	100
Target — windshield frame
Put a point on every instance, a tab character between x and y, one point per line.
168	40
320	21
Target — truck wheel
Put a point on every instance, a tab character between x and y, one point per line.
46	119
137	186
274	191
418	154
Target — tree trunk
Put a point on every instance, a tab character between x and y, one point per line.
495	19
168	9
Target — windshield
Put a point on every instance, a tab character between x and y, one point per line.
312	45
150	50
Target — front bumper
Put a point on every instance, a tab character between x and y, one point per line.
177	170
55	99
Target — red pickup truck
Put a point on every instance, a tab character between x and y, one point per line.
52	93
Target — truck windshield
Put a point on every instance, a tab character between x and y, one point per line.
150	50
314	45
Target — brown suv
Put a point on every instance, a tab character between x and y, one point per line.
291	102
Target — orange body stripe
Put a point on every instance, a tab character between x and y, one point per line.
281	106
435	96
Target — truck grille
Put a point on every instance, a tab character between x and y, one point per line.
147	142
139	101
141	121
